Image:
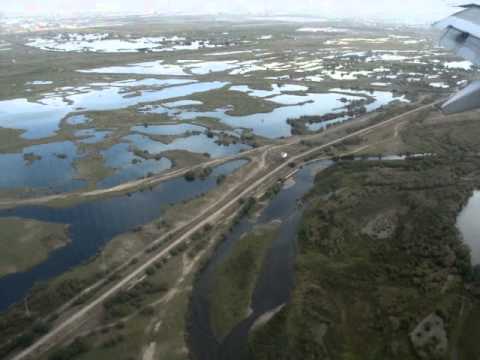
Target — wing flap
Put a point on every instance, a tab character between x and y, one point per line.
466	99
464	45
466	21
461	34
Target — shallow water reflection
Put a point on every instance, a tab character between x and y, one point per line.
469	226
200	143
50	166
42	119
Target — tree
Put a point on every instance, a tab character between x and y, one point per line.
190	176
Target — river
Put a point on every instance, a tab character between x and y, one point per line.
276	280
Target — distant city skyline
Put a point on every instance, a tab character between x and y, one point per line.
399	10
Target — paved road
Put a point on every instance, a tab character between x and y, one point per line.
196	224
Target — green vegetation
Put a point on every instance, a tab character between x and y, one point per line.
200	240
235	279
378	253
139	316
128	301
25	243
60	68
125	324
205	172
273	190
190	175
92	169
247	206
201	173
11	140
221	179
45	298
468	334
22	328
72	351
241	104
353	109
455	138
31	157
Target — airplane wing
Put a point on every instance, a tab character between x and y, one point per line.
461	34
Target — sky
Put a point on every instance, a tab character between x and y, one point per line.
400	10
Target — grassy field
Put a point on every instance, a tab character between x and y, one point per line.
235	279
25	243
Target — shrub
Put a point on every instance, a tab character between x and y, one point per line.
151	271
221	179
148	311
190	176
40	327
76	348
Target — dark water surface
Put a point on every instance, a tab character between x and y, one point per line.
94	223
